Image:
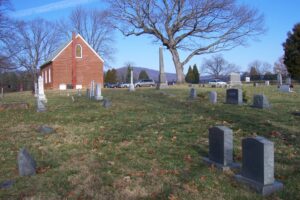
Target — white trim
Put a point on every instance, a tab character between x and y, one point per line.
61	51
46	76
78	35
80	51
49	73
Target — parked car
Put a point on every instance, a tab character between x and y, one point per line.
110	85
123	85
216	83
145	83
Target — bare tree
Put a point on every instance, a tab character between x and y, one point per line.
196	26
260	67
217	66
36	40
96	28
7	32
279	67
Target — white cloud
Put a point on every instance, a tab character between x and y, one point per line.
51	7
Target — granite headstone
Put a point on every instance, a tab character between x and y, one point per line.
26	163
213	97
234	96
258	165
221	148
260	101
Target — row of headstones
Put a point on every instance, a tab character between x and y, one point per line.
94	92
235	96
257	168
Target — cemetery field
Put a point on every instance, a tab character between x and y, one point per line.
148	145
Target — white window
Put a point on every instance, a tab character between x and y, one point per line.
43	74
78	51
46	80
49	73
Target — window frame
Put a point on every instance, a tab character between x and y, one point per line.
78	45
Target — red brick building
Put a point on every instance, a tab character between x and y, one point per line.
75	63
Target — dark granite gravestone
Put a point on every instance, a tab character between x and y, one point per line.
7	184
258	165
260	101
45	130
26	163
234	96
193	93
221	148
213	97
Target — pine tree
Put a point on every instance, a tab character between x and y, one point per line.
292	52
107	76
196	74
113	76
143	75
189	78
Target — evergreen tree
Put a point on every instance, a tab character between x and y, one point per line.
143	75
196	74
190	78
254	74
292	52
110	76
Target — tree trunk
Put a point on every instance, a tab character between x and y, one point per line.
178	66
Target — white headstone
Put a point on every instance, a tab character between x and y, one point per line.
288	81
267	83
213	97
279	79
40	105
98	95
285	88
62	86
35	90
235	79
41	93
92	89
78	87
131	86
247	79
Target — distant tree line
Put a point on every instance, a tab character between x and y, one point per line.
111	76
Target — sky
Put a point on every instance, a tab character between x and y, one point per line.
280	17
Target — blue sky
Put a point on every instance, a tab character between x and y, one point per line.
280	17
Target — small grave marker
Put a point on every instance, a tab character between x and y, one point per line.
26	163
260	101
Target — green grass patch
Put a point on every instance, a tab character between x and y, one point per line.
148	145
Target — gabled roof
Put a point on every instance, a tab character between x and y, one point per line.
56	53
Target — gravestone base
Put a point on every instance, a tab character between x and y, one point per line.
98	98
220	166
162	86
264	190
131	88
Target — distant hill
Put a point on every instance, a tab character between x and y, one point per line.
153	74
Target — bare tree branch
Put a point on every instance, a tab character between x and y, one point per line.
196	26
96	28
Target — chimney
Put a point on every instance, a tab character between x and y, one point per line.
73	59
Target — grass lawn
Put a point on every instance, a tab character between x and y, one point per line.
148	145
